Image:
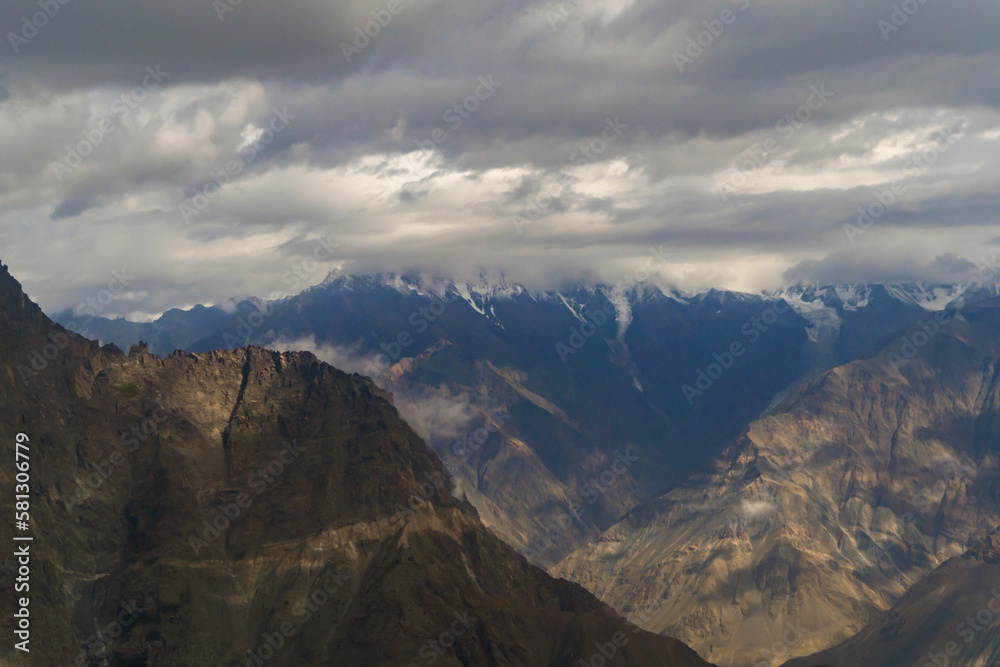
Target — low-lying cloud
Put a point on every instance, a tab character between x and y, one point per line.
435	414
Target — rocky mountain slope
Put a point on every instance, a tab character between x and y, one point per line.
558	412
949	619
251	506
825	511
536	401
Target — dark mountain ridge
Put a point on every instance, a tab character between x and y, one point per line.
214	508
828	509
585	376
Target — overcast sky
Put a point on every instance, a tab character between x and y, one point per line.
586	133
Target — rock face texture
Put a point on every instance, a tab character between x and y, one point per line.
558	409
827	510
950	618
564	386
248	507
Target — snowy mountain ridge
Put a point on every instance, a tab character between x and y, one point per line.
806	298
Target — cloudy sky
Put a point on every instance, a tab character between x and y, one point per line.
551	141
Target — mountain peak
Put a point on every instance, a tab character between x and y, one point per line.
853	296
266	478
20	313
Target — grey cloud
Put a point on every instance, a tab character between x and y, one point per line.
895	267
72	207
335	170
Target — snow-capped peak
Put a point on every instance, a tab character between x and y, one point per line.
823	305
931	297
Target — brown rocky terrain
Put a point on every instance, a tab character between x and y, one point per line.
515	493
826	511
949	619
537	432
246	507
557	410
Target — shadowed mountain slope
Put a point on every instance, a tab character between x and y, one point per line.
948	619
216	508
825	511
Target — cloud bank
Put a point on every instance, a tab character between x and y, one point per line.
548	140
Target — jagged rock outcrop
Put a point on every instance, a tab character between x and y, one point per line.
948	619
826	511
247	506
561	385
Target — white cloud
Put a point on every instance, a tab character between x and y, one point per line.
753	509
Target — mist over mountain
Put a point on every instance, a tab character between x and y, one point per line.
233	506
555	333
635	384
825	511
559	413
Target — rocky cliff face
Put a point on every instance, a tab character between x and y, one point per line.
248	507
826	511
537	400
948	619
557	388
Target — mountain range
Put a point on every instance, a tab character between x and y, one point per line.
562	387
826	510
764	476
240	507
